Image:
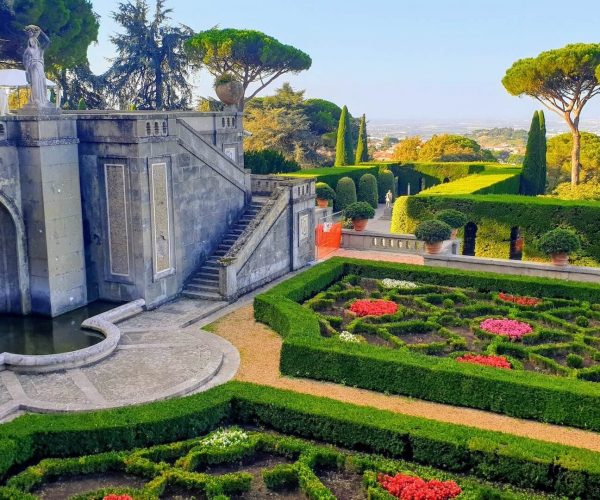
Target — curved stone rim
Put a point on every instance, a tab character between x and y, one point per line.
103	323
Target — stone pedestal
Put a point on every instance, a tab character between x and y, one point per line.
51	204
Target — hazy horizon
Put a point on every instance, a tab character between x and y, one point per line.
432	61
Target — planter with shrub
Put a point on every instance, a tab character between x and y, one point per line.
433	233
360	212
228	89
324	194
558	244
453	218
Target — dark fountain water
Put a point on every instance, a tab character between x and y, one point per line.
41	335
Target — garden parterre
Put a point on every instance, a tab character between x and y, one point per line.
427	369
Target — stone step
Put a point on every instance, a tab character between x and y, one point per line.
202	288
204	281
208	273
202	295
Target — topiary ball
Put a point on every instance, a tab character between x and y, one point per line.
324	192
433	231
367	190
345	193
360	210
559	241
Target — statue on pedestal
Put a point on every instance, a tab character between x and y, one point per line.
33	61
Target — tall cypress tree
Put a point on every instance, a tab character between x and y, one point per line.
343	148
542	151
362	149
530	174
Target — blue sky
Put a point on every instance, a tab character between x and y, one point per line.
403	60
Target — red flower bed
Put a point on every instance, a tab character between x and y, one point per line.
522	301
373	307
414	488
117	497
476	359
510	328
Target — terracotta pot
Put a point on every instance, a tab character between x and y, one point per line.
560	259
230	93
454	234
322	203
433	248
359	224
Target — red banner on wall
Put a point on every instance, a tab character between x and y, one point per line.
328	238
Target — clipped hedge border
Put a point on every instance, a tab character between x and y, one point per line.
305	353
456	448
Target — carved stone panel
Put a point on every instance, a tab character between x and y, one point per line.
117	218
161	219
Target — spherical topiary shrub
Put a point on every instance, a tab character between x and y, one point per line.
385	183
345	193
433	231
559	241
367	190
324	192
360	210
452	217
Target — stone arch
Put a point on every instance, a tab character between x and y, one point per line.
470	239
20	243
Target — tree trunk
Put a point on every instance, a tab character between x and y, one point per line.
575	157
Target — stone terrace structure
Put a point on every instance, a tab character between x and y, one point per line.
128	205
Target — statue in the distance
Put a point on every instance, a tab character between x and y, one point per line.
33	61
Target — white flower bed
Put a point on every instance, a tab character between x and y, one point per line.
349	337
224	438
391	283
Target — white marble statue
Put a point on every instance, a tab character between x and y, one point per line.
33	61
389	197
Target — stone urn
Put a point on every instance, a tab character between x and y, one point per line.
229	92
560	259
359	224
433	248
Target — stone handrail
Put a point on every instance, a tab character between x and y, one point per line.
211	156
103	323
382	242
250	239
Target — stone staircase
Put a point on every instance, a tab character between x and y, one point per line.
204	284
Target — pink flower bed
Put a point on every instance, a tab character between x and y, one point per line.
510	328
478	359
373	307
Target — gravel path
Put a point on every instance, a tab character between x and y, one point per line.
260	348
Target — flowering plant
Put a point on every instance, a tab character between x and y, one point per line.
414	488
392	283
114	496
522	301
224	438
349	337
373	307
477	359
510	328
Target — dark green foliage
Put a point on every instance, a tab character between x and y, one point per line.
324	192
574	360
81	104
367	190
269	161
359	210
344	153
495	215
522	394
150	69
533	175
433	231
331	175
559	241
453	218
281	477
362	148
345	193
385	183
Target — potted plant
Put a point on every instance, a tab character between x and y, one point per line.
558	244
324	194
228	89
433	232
360	212
454	219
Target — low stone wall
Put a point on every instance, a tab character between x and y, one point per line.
103	323
503	266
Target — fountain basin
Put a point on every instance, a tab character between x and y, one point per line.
103	323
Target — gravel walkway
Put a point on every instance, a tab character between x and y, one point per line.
260	348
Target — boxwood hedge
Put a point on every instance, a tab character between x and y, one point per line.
305	353
496	215
489	455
